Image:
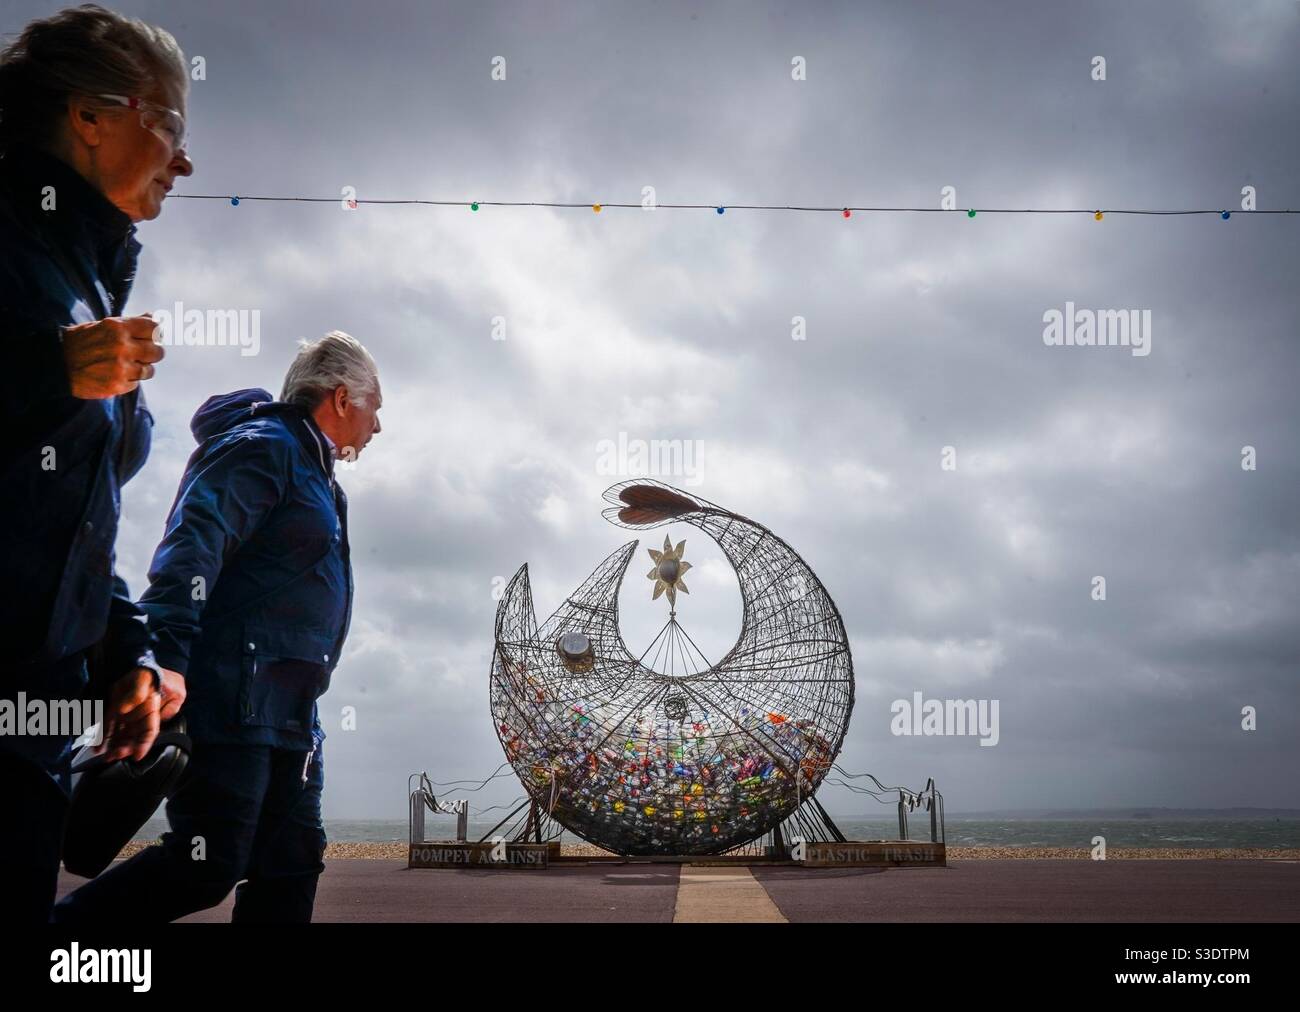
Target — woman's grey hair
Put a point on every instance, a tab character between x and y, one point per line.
336	360
80	51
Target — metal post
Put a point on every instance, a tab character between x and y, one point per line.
462	821
417	816
902	818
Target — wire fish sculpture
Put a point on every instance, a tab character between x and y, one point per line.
641	762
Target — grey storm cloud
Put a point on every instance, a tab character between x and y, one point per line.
922	331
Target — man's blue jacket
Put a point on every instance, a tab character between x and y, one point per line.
250	590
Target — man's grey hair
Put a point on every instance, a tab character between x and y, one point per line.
336	360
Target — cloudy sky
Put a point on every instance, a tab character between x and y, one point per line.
923	331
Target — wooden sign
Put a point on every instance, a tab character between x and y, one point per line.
449	854
853	853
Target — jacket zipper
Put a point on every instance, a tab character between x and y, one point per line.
307	763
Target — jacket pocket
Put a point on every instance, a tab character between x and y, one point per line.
283	672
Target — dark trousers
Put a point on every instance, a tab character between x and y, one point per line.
31	838
243	816
33	804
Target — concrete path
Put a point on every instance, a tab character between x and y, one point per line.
723	894
980	890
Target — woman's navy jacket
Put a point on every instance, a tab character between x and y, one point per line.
250	590
67	256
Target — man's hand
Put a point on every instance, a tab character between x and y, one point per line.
131	718
173	694
110	356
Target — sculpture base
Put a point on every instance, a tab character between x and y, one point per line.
536	856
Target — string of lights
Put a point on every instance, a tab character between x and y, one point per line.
474	205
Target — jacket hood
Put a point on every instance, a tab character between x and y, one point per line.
224	411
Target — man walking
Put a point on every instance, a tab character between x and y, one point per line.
250	598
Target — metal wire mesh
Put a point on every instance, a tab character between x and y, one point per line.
691	761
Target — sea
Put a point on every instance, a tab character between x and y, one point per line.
960	832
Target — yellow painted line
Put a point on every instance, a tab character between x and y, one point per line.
713	895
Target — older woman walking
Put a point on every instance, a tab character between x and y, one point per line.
92	136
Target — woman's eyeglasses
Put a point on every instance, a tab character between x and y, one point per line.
167	124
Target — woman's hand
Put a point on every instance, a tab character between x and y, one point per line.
110	356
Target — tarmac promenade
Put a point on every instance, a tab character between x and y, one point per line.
360	890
